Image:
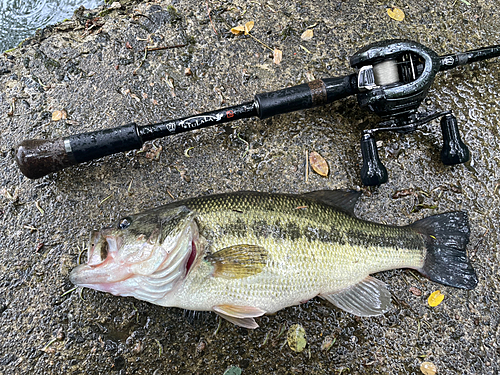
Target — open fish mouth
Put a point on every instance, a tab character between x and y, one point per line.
146	267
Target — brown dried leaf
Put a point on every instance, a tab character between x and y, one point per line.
310	76
248	27
238	30
396	14
277	56
59	115
415	291
318	164
307	35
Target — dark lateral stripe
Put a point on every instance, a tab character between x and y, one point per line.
287	231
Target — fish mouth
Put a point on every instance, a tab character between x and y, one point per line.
145	270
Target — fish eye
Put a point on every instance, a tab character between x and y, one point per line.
125	223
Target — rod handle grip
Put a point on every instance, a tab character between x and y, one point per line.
38	157
307	95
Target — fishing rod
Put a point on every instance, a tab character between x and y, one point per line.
392	78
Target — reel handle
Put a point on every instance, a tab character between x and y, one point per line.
454	151
373	171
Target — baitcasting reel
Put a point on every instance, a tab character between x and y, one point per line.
392	79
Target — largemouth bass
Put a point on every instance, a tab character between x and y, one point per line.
246	254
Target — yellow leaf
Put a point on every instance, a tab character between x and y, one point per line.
277	56
435	298
318	164
307	35
59	115
238	30
248	27
428	368
396	14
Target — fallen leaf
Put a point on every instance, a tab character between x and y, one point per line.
415	291
238	30
170	81
307	35
318	164
277	56
428	368
296	338
59	115
435	298
310	76
328	343
233	370
396	14
248	27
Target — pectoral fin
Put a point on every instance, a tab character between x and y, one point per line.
238	261
242	316
370	297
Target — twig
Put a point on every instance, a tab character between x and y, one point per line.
142	61
68	291
148	48
104	200
210	18
307	166
49	344
265	45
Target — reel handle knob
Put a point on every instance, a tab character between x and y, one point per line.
454	150
373	171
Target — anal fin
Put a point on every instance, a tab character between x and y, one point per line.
242	316
370	297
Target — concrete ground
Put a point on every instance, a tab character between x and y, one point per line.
86	67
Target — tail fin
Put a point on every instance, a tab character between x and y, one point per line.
446	237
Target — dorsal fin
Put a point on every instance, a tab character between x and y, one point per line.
238	261
344	200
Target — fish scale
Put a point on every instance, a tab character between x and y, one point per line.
245	254
313	264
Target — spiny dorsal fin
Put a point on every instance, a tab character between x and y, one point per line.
238	261
344	200
370	297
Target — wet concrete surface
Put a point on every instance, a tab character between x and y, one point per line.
86	66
